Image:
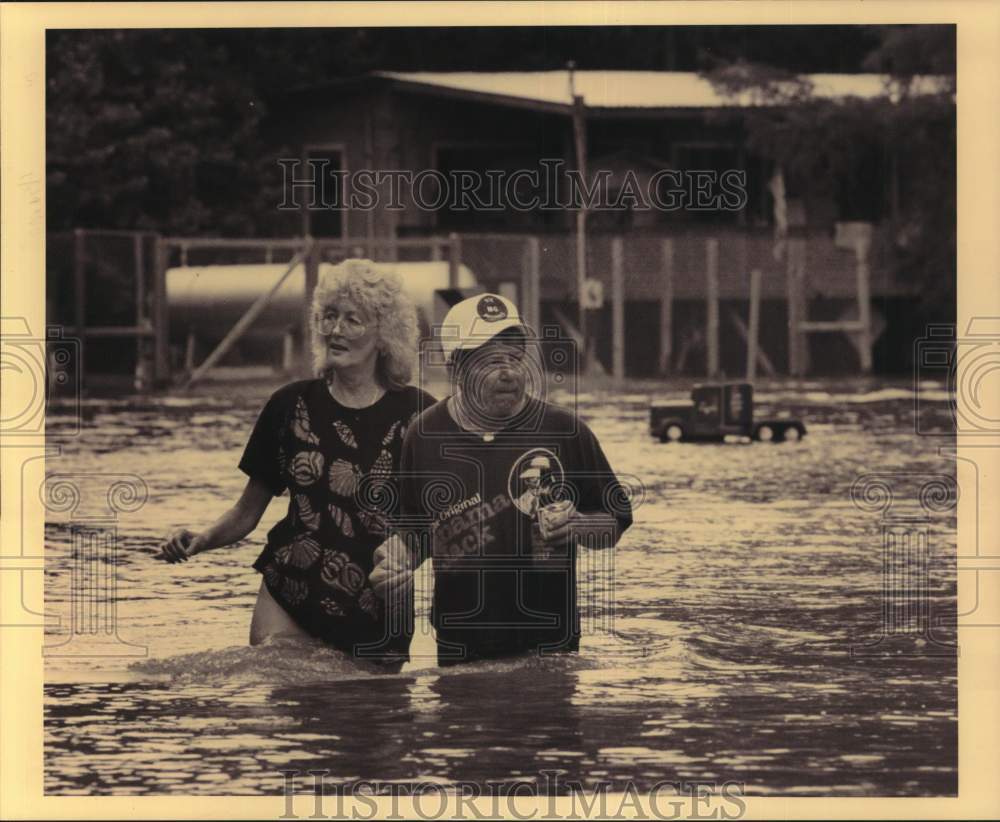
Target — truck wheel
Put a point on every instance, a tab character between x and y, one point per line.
793	434
671	432
764	433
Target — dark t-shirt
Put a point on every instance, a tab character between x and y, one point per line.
496	590
330	459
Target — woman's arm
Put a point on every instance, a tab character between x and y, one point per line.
231	527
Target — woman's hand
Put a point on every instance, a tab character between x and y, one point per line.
231	527
180	546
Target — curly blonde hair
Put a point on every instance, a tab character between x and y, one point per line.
378	291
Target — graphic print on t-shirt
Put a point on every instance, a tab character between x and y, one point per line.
535	480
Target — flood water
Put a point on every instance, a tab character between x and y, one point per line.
730	637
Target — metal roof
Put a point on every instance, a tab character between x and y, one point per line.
632	89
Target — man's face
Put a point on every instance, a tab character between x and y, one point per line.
493	377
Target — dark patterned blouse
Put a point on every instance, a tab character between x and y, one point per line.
318	558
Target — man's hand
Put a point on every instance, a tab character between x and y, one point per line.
597	530
554	522
180	546
393	568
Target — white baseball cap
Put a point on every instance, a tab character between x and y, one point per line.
475	321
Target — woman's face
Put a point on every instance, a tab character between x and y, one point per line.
350	335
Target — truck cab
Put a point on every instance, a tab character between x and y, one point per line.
716	411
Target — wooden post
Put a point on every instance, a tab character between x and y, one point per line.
580	146
795	290
791	307
140	279
311	259
161	317
861	248
531	299
617	308
80	297
754	331
141	369
712	298
763	360
454	258
288	351
369	149
189	346
667	307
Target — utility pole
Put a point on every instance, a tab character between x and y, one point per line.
580	143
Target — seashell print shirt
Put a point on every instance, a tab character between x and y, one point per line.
337	465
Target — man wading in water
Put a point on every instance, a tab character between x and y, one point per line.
504	552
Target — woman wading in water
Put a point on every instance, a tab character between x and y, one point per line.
320	440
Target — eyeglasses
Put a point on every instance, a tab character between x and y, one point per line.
349	326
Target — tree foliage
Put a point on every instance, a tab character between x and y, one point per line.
890	159
174	130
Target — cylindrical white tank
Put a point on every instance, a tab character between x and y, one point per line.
209	299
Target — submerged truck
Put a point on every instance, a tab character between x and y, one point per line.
717	411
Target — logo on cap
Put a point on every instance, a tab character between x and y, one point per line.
491	309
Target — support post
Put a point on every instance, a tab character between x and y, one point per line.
141	366
754	330
763	360
580	146
861	247
712	298
796	306
288	351
80	297
531	299
161	316
369	149
667	307
617	308
454	258
310	257
189	347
